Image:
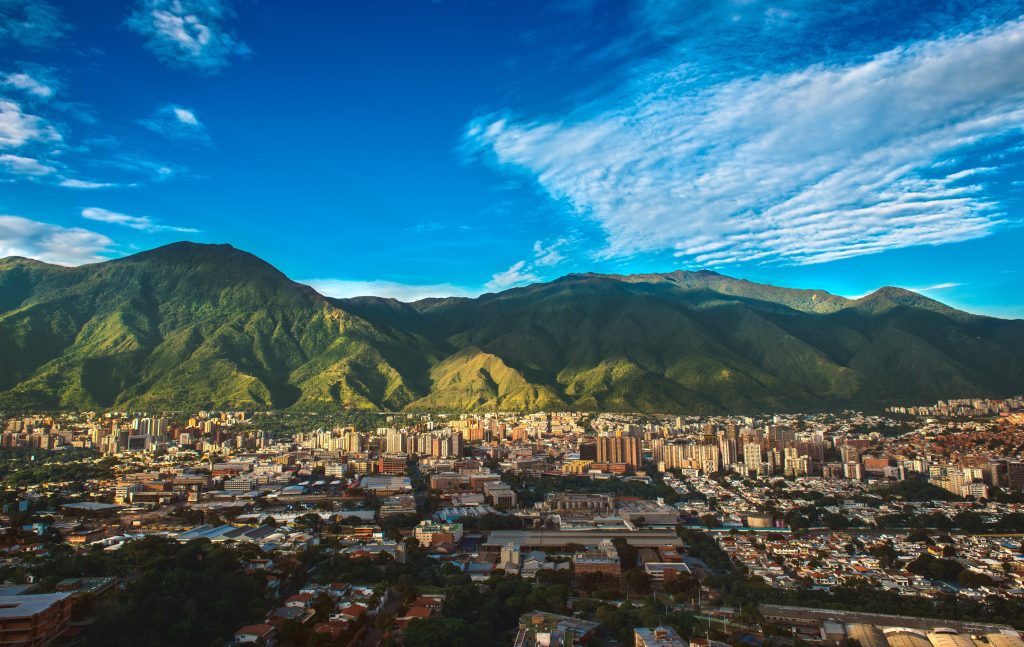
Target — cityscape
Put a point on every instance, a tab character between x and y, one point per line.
511	323
528	529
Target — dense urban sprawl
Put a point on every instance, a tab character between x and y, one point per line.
902	530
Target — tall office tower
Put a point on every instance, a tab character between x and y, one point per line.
1015	474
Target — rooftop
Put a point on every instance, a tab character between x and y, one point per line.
20	606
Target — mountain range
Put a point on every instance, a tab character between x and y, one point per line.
210	326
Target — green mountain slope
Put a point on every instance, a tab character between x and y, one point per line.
191	325
703	342
184	325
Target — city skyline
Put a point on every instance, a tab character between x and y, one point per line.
464	148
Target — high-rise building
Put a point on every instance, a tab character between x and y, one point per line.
395	442
727	449
1015	475
752	456
624	450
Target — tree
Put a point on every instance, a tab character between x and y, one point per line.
311	521
682	587
710	521
886	555
935	568
196	593
920	535
974	579
591	582
637	582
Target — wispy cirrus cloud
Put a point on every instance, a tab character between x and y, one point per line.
549	254
140	223
178	123
34	148
19	165
937	286
824	162
519	273
344	289
18	127
51	243
74	183
30	23
33	85
545	255
188	34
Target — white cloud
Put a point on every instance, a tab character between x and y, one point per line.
813	165
936	287
186	116
141	223
72	183
32	23
51	243
18	128
177	122
188	33
25	165
545	255
928	288
518	274
29	84
344	289
548	255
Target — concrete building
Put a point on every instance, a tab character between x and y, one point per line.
552	539
658	637
623	450
432	534
33	620
385	485
604	560
904	637
949	638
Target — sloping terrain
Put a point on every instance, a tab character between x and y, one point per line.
191	325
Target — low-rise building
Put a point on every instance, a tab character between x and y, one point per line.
658	637
32	620
433	534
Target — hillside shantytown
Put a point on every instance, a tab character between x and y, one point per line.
356	528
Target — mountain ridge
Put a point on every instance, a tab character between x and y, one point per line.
194	325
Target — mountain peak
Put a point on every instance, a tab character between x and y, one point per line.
201	255
889	297
12	261
189	247
196	325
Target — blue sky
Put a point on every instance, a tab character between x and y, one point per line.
424	148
